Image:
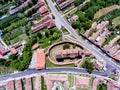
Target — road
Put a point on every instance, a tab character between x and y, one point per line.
100	56
50	70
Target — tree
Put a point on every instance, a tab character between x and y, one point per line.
78	2
102	87
12	57
76	24
66	46
55	35
88	65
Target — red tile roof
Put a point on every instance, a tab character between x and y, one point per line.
13	51
28	84
40	59
10	85
43	9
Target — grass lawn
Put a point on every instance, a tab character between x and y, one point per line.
116	20
5	70
19	38
78	88
33	81
71	80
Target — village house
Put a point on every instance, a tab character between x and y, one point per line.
28	83
99	64
101	27
18	84
46	22
68	53
10	85
82	82
65	4
111	43
35	46
13	9
40	59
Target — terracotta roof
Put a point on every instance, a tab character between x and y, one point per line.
99	65
40	59
40	3
43	9
67	53
18	84
13	51
38	82
117	56
82	82
10	85
101	28
113	50
28	84
65	4
114	40
101	41
46	22
74	18
35	46
59	1
94	84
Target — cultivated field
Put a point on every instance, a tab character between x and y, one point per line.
106	10
116	20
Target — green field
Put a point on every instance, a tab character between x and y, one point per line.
19	38
116	20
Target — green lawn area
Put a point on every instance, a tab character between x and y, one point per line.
71	80
19	38
116	20
78	88
5	70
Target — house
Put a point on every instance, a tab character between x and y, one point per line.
35	46
65	4
46	22
111	43
10	85
101	41
82	82
100	28
94	25
51	78
13	9
18	84
40	4
117	56
40	59
28	84
99	64
112	85
59	1
68	53
13	51
114	49
74	18
38	82
43	9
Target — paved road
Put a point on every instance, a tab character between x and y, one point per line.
100	56
33	71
